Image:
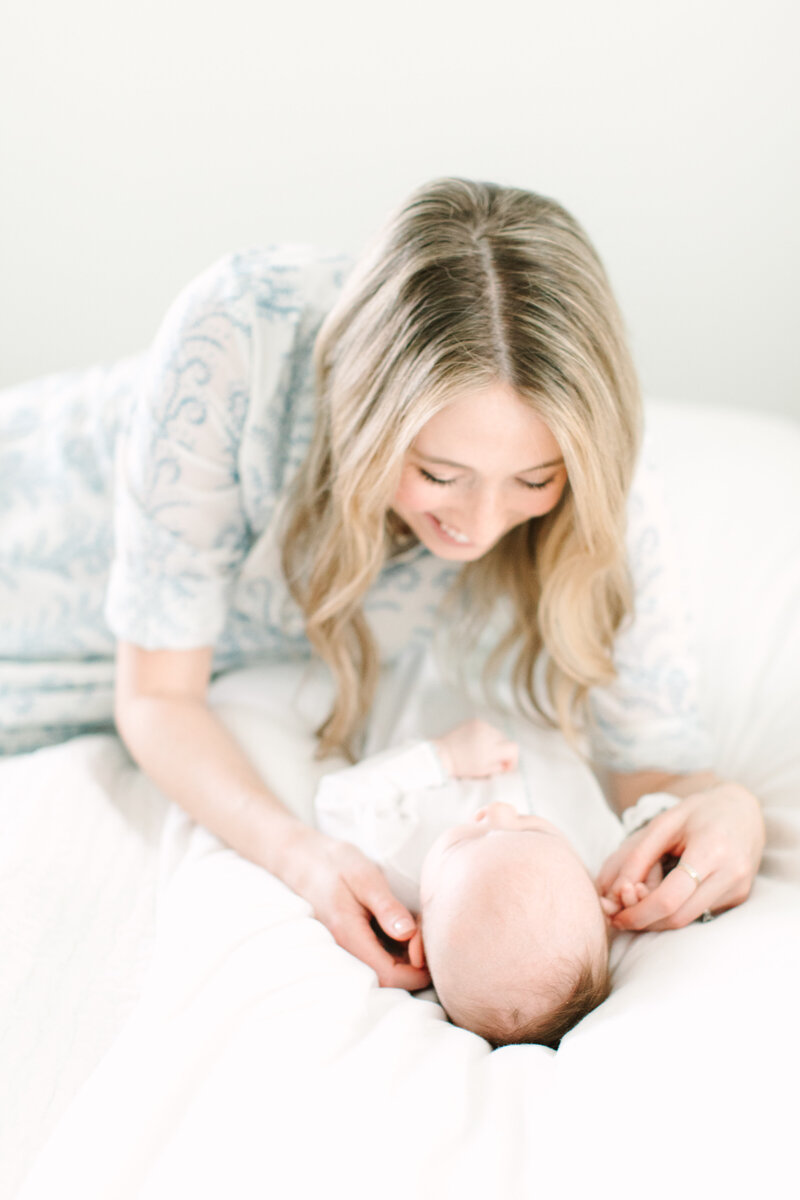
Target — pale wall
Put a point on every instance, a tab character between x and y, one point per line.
138	143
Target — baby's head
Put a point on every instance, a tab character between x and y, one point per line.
515	939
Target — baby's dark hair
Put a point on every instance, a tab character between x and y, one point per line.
508	1025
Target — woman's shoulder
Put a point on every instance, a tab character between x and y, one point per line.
649	715
275	281
228	334
646	484
649	536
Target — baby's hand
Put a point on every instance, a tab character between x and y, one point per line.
625	896
475	749
625	893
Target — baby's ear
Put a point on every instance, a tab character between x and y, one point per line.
416	950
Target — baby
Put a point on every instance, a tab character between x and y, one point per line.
511	926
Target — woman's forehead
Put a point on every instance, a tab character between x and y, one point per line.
488	428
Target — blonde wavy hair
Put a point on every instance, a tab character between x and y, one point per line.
470	284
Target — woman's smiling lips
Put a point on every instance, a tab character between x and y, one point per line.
448	533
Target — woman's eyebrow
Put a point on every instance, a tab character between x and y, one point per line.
448	462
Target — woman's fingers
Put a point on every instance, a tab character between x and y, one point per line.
347	893
374	897
677	893
358	938
352	929
654	876
703	900
637	861
416	951
718	833
646	849
719	891
615	865
373	892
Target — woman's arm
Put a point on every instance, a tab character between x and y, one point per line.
164	719
717	829
625	789
651	713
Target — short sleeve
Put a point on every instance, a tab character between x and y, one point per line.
649	717
180	529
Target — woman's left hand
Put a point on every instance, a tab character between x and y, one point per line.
719	833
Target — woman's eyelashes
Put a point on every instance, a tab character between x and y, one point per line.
536	487
433	478
426	475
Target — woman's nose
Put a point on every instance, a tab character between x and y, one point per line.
484	520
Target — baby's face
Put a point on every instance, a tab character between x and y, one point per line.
495	833
503	890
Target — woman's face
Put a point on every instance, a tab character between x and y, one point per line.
478	468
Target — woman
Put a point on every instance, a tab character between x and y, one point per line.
470	433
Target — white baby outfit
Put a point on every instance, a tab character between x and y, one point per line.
393	805
140	501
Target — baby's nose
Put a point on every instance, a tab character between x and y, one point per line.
495	811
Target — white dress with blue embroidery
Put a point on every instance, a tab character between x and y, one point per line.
141	502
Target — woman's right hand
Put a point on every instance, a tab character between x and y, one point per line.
346	890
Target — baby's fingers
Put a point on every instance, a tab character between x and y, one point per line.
510	756
503	756
658	838
659	906
638	860
612	871
627	894
499	759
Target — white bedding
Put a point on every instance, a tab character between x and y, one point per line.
250	1056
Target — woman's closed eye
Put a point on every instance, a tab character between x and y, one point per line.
426	475
434	479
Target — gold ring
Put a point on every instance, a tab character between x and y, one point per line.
690	871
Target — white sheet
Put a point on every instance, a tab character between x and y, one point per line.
263	1059
80	830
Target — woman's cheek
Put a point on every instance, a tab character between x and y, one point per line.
551	497
412	494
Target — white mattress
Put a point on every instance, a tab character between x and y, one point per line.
233	1049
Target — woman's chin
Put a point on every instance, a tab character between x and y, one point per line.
452	553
